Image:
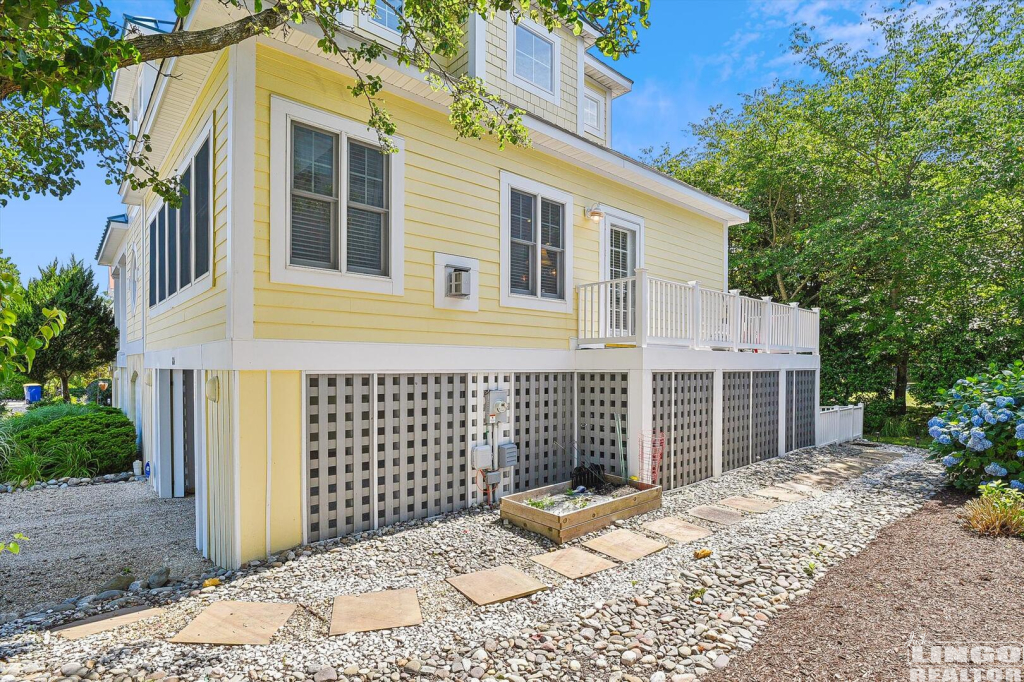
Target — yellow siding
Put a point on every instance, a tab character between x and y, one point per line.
563	114
220	470
204	317
451	206
134	249
286	460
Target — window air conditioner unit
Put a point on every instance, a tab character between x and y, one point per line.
458	282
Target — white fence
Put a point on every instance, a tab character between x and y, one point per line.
840	423
643	309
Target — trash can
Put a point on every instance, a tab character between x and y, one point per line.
33	392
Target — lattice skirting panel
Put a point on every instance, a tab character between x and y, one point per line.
800	409
600	396
390	447
682	410
735	420
764	416
544	430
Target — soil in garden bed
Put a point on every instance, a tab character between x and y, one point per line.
561	504
925	575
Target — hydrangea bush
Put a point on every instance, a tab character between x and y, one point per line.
978	434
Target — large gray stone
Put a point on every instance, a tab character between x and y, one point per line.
118	582
159	577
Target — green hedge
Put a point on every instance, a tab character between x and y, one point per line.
107	435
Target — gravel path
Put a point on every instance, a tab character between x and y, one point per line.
668	616
81	537
923	576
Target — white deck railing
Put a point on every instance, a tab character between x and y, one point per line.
642	309
840	423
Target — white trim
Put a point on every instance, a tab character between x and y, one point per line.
580	83
178	432
202	486
270	456
725	256
198	285
240	183
304	454
510	181
554	95
282	113
441	261
624	219
236	448
477	40
605	71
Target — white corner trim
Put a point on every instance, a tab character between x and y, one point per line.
553	95
270	457
471	304
282	113
580	83
236	459
615	216
510	181
477	39
725	256
240	185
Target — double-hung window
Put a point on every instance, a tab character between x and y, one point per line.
536	248
387	14
533	59
180	238
593	112
336	214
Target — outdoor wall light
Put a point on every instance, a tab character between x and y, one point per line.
213	389
595	213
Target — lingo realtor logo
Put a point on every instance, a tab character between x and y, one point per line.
965	661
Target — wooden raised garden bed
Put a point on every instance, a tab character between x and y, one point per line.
560	517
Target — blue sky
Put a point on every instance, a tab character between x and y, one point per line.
696	54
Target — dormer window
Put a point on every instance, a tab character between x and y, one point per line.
387	15
533	59
593	112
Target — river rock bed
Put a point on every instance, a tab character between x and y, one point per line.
668	616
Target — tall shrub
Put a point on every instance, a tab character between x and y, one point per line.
979	432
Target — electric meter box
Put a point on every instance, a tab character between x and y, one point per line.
496	402
508	455
493	477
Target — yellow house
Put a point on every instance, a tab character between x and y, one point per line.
326	339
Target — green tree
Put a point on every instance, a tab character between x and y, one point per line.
89	338
888	190
58	56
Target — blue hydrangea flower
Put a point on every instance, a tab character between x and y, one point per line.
944	439
950	461
935	432
1003	401
1003	415
977	420
978	442
964	437
955	395
1020	454
936	421
990	418
994	469
1017	485
1020	431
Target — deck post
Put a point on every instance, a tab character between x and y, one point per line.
643	314
817	329
717	422
766	322
782	411
734	319
796	324
695	320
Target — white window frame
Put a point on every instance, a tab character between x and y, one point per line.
370	25
509	182
132	288
283	112
203	283
553	95
600	100
624	219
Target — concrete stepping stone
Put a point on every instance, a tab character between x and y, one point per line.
625	545
235	623
781	494
880	457
494	585
749	504
726	517
573	562
107	621
677	529
798	487
375	611
818	480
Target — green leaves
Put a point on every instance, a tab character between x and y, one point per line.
14	546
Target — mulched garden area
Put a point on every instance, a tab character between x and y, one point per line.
923	575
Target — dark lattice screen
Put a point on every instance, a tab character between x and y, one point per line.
735	420
800	409
414	462
544	427
600	396
682	410
764	416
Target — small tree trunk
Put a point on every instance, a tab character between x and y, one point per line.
64	391
900	392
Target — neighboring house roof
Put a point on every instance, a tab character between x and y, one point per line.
113	233
155	25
